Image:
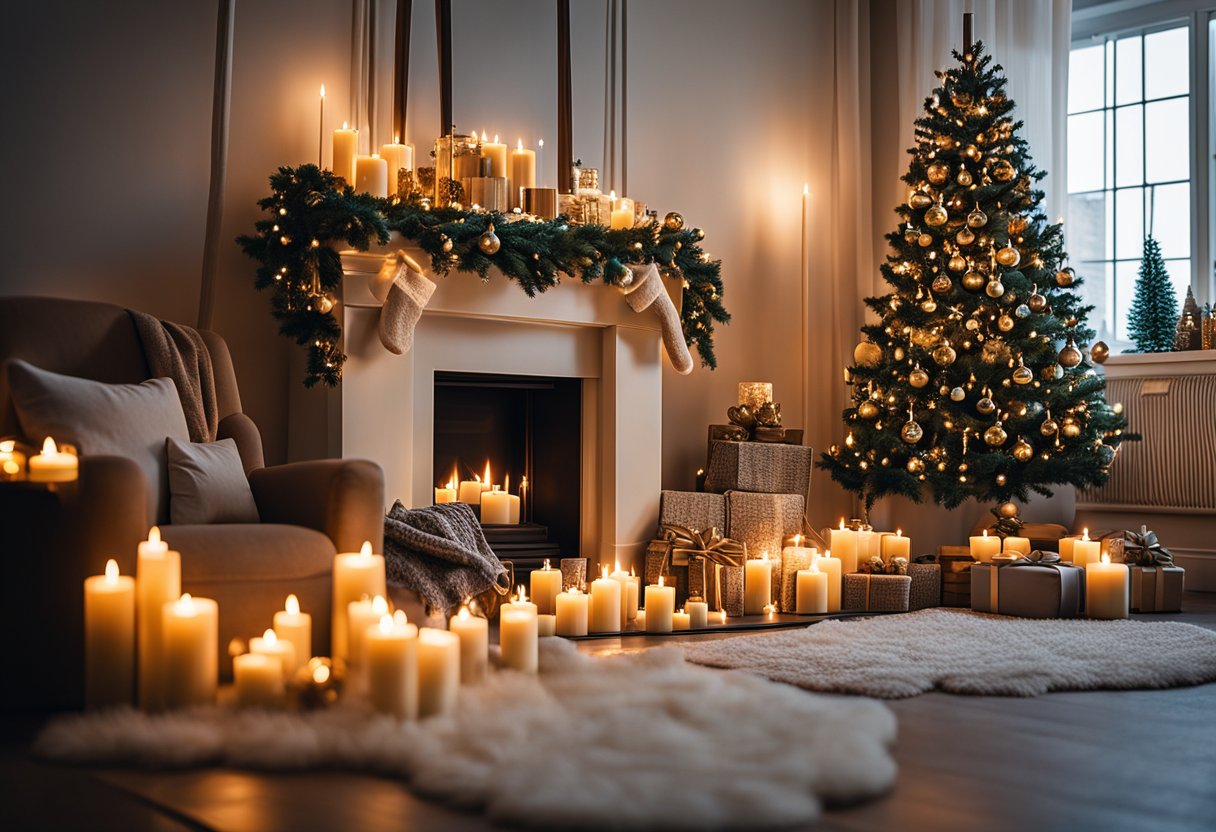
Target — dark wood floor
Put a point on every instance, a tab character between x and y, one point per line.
1110	761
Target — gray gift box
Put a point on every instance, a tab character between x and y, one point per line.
693	510
762	467
763	522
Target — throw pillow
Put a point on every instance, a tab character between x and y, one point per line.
207	483
130	420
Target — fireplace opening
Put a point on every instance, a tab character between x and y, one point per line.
510	446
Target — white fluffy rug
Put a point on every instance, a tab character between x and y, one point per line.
959	651
633	741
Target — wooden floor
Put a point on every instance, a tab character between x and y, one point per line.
1109	761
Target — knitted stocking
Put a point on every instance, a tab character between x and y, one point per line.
647	292
407	297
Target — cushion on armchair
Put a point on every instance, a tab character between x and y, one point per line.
207	483
131	420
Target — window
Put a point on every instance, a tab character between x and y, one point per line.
1138	112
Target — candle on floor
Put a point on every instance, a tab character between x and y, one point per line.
109	639
438	671
1016	545
660	607
895	546
269	644
757	584
812	591
794	557
698	614
1106	591
361	617
295	627
392	666
258	680
371	175
572	612
984	547
546	584
158	581
523	171
623	578
190	657
831	567
474	634
53	464
844	544
605	604
517	634
680	620
868	544
346	148
546	625
1086	551
356	574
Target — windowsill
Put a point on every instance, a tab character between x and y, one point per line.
1140	359
1160	364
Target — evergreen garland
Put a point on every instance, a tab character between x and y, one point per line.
310	210
1153	318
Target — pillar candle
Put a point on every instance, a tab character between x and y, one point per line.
622	577
361	617
474	634
1106	592
158	573
698	614
269	644
660	607
346	148
258	680
517	634
523	171
371	175
984	547
396	156
496	152
832	568
572	612
868	544
356	574
1066	546
622	212
895	546
844	545
812	591
190	655
757	585
392	666
1016	545
438	671
293	626
470	491
635	588
545	585
109	639
445	494
1086	551
546	625
794	557
679	620
52	465
606	604
498	507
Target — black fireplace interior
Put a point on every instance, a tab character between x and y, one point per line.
524	426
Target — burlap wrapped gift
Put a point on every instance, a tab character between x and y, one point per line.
926	590
1156	583
763	522
714	566
692	510
863	591
1038	585
762	467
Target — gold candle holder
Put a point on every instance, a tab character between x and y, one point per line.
755	393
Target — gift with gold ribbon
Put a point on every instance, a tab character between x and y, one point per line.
714	565
1156	583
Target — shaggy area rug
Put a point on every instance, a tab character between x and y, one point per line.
642	740
959	651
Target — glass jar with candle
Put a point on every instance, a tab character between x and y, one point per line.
456	157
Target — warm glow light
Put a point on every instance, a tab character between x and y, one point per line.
899	532
48	446
322	90
320	674
386	623
292	606
488	479
111	571
540	143
463	615
605	572
985	532
521	595
519	145
660	580
506	483
814	565
379	605
365	551
1106	557
270	638
399	618
806	189
1085	535
842	524
618	566
11	466
7	446
396	138
483	136
797	540
344	127
184	605
547	566
631	572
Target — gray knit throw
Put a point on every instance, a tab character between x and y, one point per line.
440	553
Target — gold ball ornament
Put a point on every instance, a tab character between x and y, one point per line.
964	178
925	239
971	152
972	324
1001	479
936	215
911	432
325	304
489	242
928	305
910	234
1065	277
1099	352
973	281
995	435
920	200
867	409
1004	171
977	218
918	378
1007	510
899	353
674	221
1049	427
995	288
937	173
867	354
1036	302
1071	428
1070	356
447	243
986	406
958	394
1005	323
965	236
956	263
1008	256
1022	375
942	284
944	355
1022	450
915	465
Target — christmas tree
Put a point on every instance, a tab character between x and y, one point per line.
973	384
1154	315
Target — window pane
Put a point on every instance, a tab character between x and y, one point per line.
1085	79
1109	84
1129	223
1180	276
1166	58
1110	147
1129	145
1085	138
1167	140
1086	232
1171	207
1125	288
1128	74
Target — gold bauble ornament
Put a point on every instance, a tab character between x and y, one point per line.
1071	428
928	305
977	218
971	152
1022	375
1005	323
995	288
972	324
1052	373
489	242
942	284
1004	171
1022	450
1049	427
937	173
867	354
1099	352
936	215
918	378
985	406
899	353
910	234
944	355
1070	356
1008	256
958	394
925	239
1001	479
867	409
911	432
915	465
1065	277
1007	510
964	178
325	304
674	221
1036	302
973	281
995	435
965	236
920	200
957	262
834	449
447	243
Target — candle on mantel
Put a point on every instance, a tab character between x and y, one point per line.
371	175
496	507
1086	551
321	132
698	614
109	639
496	152
190	658
392	666
623	578
1106	591
438	671
361	617
513	500
812	591
844	544
269	644
158	572
356	574
53	464
518	632
258	680
1016	545
984	547
446	493
471	490
474	634
546	584
606	604
523	171
680	620
572	612
346	149
757	584
831	567
895	546
398	157
293	626
622	211
660	607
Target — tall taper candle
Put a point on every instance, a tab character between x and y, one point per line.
158	574
321	132
109	639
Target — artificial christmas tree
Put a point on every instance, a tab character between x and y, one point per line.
973	383
1154	315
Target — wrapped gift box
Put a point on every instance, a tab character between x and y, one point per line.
1028	589
1156	588
693	510
720	586
875	593
763	522
658	562
955	563
926	589
762	467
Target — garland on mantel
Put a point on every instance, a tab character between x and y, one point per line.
310	210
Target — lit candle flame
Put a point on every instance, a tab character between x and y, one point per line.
184	605
541	142
292	606
631	572
48	447
386	623
270	638
483	135
899	532
111	571
547	566
842	524
320	674
400	619
154	534
344	126
605	576
7	446
797	540
488	479
521	594
519	145
322	90
396	138
660	580
985	532
814	565
618	566
463	615
379	605
806	189
1085	535
506	483
365	551
1106	557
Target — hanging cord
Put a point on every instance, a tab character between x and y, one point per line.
624	97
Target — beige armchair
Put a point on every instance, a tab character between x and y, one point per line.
52	541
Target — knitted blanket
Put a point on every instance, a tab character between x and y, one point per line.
440	553
177	352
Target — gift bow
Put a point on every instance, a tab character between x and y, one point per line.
1142	549
877	566
708	544
925	559
1037	558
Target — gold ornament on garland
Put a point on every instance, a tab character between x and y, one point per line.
1070	356
867	409
1008	256
920	200
925	239
1049	426
937	173
964	178
995	288
867	354
965	236
911	432
1022	374
1065	277
942	284
973	280
944	355
1004	171
1072	428
674	221
986	405
1022	450
1099	352
325	304
958	394
957	263
995	435
1005	323
918	378
1036	302
489	242
977	218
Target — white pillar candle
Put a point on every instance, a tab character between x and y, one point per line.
623	578
984	547
1086	551
445	494
606	604
660	607
470	491
545	585
1066	546
496	507
572	612
361	617
397	157
371	175
698	614
517	634
831	567
622	212
496	152
346	148
1016	545
635	590
438	671
295	627
794	558
680	620
52	465
158	581
109	639
269	644
812	591
757	585
474	634
356	574
258	680
190	657
392	666
546	625
895	546
844	545
523	171
868	545
1106	592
